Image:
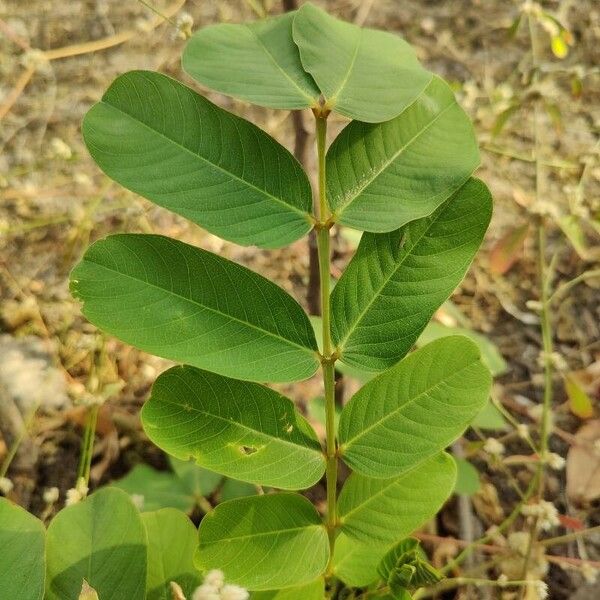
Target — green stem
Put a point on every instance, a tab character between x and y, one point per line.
328	357
545	277
87	445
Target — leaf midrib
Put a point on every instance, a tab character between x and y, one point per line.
215	166
277	532
333	98
393	482
277	65
195	303
246	428
387	279
356	191
409	402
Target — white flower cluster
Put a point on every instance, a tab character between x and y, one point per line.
51	495
540	588
6	485
493	447
78	493
555	461
214	588
545	512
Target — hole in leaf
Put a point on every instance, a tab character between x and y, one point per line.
248	450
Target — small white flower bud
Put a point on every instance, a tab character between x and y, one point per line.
234	592
206	592
555	461
51	495
138	501
493	447
214	578
6	485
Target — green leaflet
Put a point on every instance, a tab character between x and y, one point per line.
240	429
264	542
382	176
160	139
396	281
172	540
356	563
490	355
380	511
22	554
164	489
467	478
415	409
257	62
404	566
363	74
102	540
191	306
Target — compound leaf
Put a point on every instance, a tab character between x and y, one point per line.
363	74
240	429
382	176
415	409
408	274
22	548
257	62
172	541
264	542
160	139
102	540
189	305
380	511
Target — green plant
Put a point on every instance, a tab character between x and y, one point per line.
400	171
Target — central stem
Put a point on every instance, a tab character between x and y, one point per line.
328	358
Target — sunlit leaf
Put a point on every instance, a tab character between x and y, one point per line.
282	533
192	306
160	139
376	511
396	281
414	410
363	74
382	176
258	62
240	429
